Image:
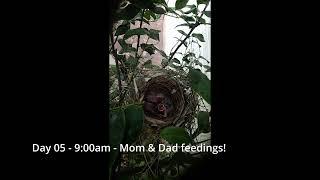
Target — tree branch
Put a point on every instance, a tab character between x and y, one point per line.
141	20
114	52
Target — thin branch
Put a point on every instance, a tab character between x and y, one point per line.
114	52
139	35
188	35
114	43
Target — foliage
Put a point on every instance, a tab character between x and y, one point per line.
126	110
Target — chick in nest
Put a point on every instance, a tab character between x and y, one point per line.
158	104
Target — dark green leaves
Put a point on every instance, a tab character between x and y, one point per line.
200	83
198	36
181	4
133	32
134	121
203	122
175	135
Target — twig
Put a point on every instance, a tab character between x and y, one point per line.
139	35
114	43
114	52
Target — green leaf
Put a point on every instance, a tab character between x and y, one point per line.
175	135
203	122
154	34
180	4
134	121
128	13
116	132
133	32
198	36
207	13
200	83
202	2
148	14
126	47
158	10
122	29
148	47
182	32
184	24
187	18
175	60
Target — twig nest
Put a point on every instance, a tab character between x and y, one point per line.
163	100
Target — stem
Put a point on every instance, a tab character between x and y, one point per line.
139	35
114	52
188	35
114	43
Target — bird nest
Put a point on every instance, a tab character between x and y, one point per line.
163	100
